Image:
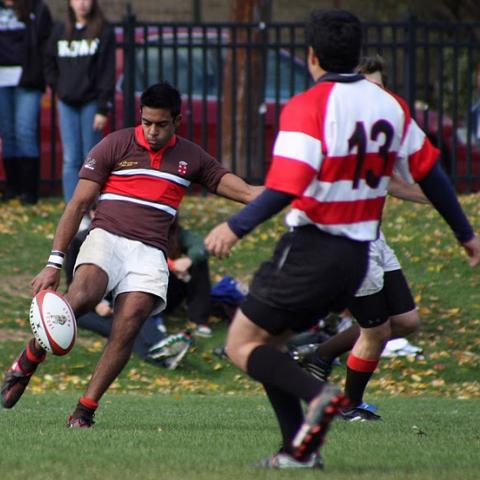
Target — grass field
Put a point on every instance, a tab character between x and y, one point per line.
205	420
220	437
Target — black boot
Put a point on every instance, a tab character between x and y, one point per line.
12	178
29	180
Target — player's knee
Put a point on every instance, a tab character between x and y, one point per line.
378	335
239	353
410	323
405	324
80	301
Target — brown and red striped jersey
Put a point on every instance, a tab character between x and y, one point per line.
141	189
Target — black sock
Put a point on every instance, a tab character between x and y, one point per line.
355	385
269	366
85	408
359	372
289	413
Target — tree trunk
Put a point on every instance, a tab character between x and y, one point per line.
243	90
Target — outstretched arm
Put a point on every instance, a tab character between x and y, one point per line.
401	189
439	191
235	188
223	237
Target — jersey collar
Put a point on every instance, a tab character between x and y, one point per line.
340	77
155	155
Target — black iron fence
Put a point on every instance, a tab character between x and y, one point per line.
235	77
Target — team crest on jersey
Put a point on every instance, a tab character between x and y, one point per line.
90	163
182	167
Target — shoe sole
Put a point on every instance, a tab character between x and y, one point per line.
320	414
174	364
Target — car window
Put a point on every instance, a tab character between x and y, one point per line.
197	71
286	76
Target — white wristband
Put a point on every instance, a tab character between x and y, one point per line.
55	260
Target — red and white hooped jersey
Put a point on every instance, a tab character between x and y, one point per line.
336	149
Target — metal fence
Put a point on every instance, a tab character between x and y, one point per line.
235	77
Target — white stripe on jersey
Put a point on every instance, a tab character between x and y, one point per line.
158	206
361	231
373	104
299	146
152	173
342	190
413	142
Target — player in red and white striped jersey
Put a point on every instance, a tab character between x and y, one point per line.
337	147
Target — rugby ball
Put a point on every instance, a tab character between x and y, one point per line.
53	322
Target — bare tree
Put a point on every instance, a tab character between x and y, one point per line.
243	94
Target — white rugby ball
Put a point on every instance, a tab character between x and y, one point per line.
53	322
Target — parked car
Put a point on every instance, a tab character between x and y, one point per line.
194	60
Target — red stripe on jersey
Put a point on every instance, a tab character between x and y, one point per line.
305	112
344	168
422	161
148	188
331	213
289	175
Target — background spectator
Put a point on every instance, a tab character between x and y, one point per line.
80	67
24	29
189	277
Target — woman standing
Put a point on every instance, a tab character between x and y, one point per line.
80	67
24	29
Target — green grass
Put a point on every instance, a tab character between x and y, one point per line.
220	437
205	419
446	289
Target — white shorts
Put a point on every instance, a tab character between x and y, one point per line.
382	259
131	266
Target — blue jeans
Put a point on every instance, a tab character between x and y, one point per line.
19	121
78	138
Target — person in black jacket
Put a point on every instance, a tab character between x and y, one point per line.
24	29
80	67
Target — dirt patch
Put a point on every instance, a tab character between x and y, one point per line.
18	284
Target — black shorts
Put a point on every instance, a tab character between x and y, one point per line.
395	298
310	274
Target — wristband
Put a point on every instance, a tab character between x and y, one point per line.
55	260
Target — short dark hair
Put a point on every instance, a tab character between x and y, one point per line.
336	39
373	64
162	95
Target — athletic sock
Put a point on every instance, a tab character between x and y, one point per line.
85	408
31	357
359	372
289	413
339	344
269	366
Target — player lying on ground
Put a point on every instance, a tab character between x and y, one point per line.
333	158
